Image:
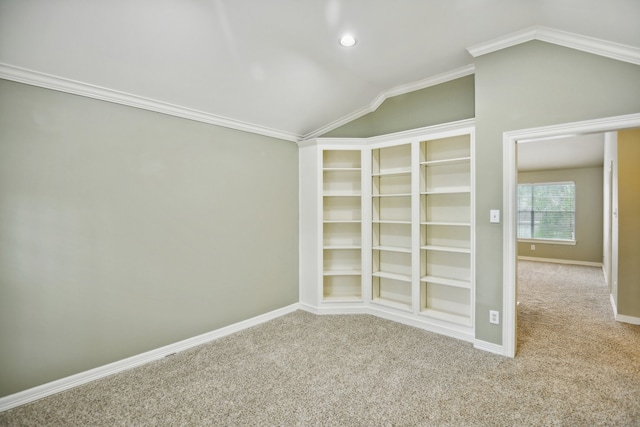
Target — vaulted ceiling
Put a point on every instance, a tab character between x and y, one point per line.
277	64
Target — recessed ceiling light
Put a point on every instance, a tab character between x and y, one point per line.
347	40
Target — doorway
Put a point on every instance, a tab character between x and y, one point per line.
510	182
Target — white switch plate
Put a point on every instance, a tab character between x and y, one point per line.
494	216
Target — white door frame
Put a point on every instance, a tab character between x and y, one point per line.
510	181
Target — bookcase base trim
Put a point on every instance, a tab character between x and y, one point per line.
406	319
339	308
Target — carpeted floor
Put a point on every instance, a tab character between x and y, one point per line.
575	366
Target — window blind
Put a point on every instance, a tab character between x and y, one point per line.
547	211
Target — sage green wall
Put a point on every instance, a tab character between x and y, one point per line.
443	103
628	298
530	85
589	211
123	230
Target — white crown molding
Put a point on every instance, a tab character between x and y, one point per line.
48	389
618	51
48	81
319	141
398	90
434	131
600	47
503	42
61	84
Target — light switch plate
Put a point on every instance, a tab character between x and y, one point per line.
494	216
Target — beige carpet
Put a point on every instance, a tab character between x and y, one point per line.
576	367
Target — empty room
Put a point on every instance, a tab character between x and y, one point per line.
329	212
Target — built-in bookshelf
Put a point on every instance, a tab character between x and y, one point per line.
341	225
394	234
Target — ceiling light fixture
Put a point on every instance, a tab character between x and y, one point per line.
347	40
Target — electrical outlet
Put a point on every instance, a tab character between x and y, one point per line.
494	317
533	247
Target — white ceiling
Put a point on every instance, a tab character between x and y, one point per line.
277	63
571	151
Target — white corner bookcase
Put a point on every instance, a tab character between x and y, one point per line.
387	227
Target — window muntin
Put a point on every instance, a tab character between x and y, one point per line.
547	211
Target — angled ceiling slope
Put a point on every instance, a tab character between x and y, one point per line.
275	68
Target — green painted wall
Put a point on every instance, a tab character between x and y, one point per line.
628	298
530	85
123	230
447	102
589	211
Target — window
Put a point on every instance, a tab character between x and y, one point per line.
547	211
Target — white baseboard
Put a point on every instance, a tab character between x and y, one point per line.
623	317
560	261
441	328
72	381
628	319
435	326
489	346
